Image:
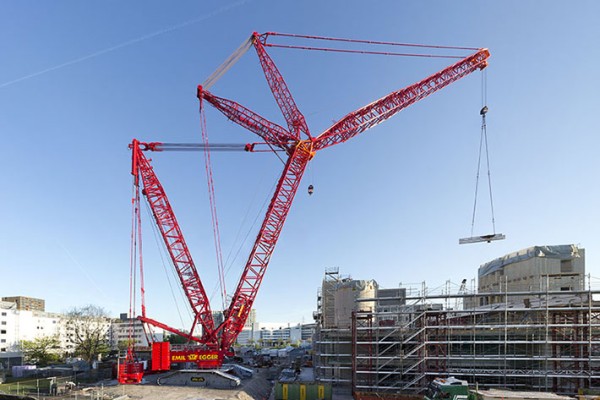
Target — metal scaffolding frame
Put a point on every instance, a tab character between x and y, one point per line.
544	341
332	345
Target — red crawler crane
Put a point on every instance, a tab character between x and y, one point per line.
300	146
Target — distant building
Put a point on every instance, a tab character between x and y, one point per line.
18	324
308	332
268	334
535	269
125	330
273	335
27	303
250	334
251	318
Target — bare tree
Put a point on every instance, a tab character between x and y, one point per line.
88	328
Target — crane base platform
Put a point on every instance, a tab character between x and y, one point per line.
484	238
212	378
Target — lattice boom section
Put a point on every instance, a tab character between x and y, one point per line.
295	120
269	131
384	108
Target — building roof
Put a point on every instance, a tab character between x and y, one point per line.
561	252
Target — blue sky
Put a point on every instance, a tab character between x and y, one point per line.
79	80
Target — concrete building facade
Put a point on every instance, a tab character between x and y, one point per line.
275	333
339	296
537	268
124	329
17	324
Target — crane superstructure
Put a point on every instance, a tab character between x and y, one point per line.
299	146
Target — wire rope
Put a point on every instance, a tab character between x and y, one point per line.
213	206
364	42
133	260
381	53
162	249
483	143
229	264
369	41
258	214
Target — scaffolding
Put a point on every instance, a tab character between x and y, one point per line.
333	345
543	341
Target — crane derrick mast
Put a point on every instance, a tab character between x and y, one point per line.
300	147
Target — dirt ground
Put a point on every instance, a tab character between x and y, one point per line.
256	388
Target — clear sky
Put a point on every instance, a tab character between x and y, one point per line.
79	80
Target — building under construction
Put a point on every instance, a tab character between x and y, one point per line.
531	324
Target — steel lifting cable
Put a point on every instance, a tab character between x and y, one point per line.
213	205
141	265
229	261
380	53
367	42
483	141
172	271
135	205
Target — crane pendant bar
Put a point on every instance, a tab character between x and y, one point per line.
484	238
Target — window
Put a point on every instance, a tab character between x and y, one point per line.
566	266
3	322
2	340
3	349
3	332
4	314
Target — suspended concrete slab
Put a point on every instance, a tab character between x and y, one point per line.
484	238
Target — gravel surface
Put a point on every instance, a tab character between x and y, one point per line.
257	387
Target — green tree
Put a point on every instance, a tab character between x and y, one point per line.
88	329
176	339
41	351
123	345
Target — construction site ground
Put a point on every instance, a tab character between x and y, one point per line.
258	387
